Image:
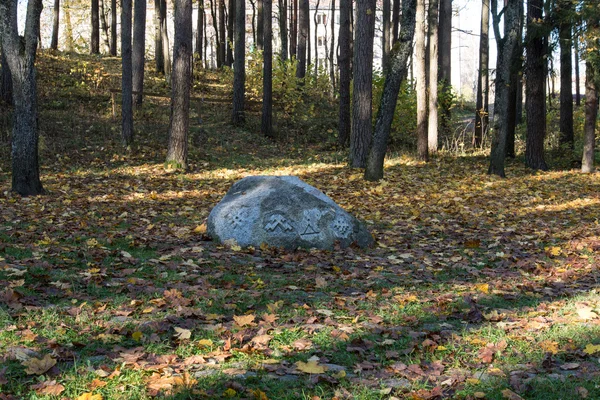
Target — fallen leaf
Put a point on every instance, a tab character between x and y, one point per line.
582	392
36	366
591	349
182	333
48	388
569	366
310	367
320	282
510	395
243	320
483	287
90	396
586	313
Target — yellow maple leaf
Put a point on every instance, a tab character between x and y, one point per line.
229	393
200	229
243	320
549	346
310	367
36	366
483	287
592	348
137	336
90	396
204	343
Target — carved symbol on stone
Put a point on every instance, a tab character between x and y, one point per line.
341	227
235	220
276	221
310	230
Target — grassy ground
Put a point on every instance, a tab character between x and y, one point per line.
477	287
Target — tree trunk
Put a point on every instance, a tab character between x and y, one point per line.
180	87
566	76
95	38
104	24
445	65
230	23
138	52
362	100
506	47
213	13
223	42
159	58
294	30
535	87
591	116
267	106
420	67
397	71
205	37
6	89
200	30
332	50
239	67
56	24
516	69
127	74
303	22
253	4
68	27
345	77
432	126
481	113
260	25
20	55
386	33
577	89
308	44
316	19
164	32
113	28
395	20
283	30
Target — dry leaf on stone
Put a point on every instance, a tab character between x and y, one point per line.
36	366
310	367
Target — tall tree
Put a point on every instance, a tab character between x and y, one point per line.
516	70
267	106
181	83
481	112
159	58
420	68
506	46
69	44
253	4
260	25
239	68
445	64
576	53
362	99
230	23
303	22
127	73
200	30
294	29
591	88
6	91
332	50
432	125
535	86
56	24
345	74
316	19
20	55
283	30
566	74
138	51
395	19
104	24
95	22
397	71
215	23
386	33
113	28
223	43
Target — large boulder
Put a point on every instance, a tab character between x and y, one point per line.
283	211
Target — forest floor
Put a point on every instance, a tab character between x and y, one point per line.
477	287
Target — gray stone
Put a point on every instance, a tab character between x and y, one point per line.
283	211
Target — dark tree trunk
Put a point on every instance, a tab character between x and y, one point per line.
591	116
566	76
516	70
104	24
223	42
6	89
506	47
345	74
577	88
213	13
200	30
260	25
56	24
127	75
230	23
283	30
535	87
239	77
332	50
420	66
113	28
432	125
20	55
180	87
445	65
95	38
303	22
386	33
267	106
316	19
308	44
398	69
68	27
395	20
253	4
294	30
481	113
159	58
362	99
138	52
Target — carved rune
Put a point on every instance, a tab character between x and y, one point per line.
278	221
310	231
341	227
